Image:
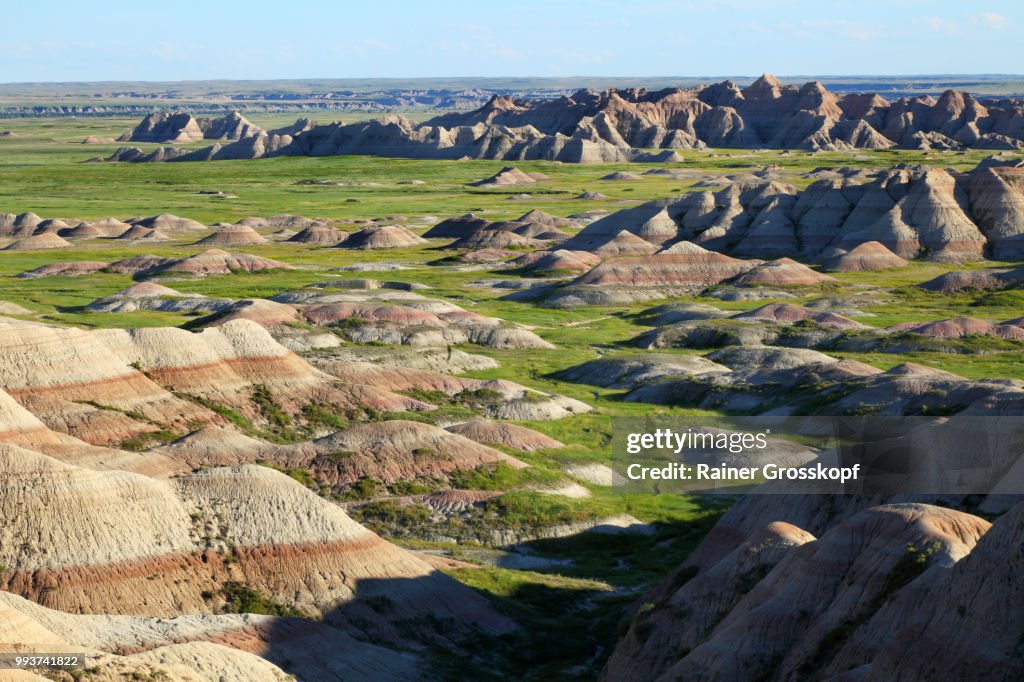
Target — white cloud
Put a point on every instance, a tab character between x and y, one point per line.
973	23
939	24
991	19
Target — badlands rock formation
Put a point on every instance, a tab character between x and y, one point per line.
782	271
72	269
20	225
495	240
959	327
473	232
863	257
615	125
796	326
983	279
767	599
381	237
456	228
152	296
696	271
560	260
8	308
910	211
321	235
83	231
232	235
108	386
46	240
209	262
510	176
232	648
634	370
185	531
498	399
171	224
137	232
397	450
51	225
788	313
763	379
509	435
641	278
405	317
183	127
162	539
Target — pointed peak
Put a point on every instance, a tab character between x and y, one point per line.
765	86
500	102
813	86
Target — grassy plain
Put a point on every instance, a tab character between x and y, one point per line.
41	170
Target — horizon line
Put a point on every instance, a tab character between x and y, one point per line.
538	78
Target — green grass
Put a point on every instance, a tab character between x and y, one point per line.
42	170
501	476
570	614
564	620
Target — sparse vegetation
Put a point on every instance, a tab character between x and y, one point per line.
239	598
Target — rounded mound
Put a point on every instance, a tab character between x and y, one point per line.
169	223
324	235
620	175
561	260
865	257
382	237
139	232
83	231
494	239
47	240
789	313
233	235
782	271
508	435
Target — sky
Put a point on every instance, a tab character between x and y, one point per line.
70	40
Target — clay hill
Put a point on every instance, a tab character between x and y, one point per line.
147	549
111	385
197	648
381	237
46	240
531	228
808	589
677	271
209	262
323	235
232	235
615	125
367	311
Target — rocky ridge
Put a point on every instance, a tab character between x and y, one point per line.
617	125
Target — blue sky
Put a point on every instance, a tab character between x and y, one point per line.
52	40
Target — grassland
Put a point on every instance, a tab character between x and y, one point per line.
42	171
